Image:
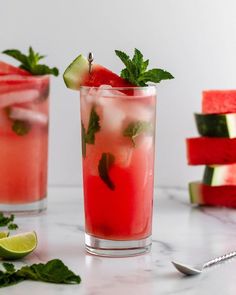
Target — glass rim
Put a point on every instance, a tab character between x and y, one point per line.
109	87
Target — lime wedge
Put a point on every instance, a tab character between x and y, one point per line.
18	246
4	234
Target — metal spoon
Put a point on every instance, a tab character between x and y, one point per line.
191	271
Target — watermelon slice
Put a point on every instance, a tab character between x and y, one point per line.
6	69
223	196
217	175
219	101
211	151
77	74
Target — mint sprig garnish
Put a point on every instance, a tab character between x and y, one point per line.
136	72
136	128
105	163
93	127
54	271
30	62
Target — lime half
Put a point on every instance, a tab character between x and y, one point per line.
4	234
18	246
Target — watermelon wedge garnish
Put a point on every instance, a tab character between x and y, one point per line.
6	69
77	74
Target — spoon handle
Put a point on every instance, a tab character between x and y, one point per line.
219	259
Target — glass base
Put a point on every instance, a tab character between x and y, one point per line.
112	248
27	208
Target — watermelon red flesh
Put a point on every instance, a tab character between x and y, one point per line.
211	151
102	76
6	69
224	196
219	101
14	83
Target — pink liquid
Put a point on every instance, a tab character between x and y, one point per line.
125	212
23	158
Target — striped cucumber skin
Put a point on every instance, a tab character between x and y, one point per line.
216	125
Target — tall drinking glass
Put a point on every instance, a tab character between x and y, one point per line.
118	135
23	142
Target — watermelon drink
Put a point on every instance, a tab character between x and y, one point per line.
24	117
118	167
118	136
24	142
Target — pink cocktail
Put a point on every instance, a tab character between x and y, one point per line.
118	132
24	104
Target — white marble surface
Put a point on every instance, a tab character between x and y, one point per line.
180	232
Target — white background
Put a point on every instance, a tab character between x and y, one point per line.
194	39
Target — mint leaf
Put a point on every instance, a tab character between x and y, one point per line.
9	267
93	127
135	70
136	128
30	62
154	75
54	271
42	70
83	135
9	278
104	165
12	226
17	55
21	127
4	220
129	72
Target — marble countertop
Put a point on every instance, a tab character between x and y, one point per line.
182	233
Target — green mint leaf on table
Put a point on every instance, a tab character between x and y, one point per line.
4	220
21	127
12	226
135	70
105	163
93	127
9	278
136	128
30	62
54	271
9	267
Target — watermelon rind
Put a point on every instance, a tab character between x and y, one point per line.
216	175
75	72
216	125
195	192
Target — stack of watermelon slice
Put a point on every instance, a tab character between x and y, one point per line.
216	148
